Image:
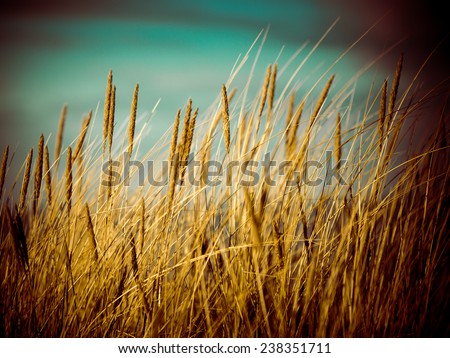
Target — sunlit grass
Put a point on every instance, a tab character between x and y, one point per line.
355	245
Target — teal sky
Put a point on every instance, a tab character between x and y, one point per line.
56	53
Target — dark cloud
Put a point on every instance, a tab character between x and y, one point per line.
421	27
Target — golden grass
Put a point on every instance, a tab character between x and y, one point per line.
25	181
367	257
226	119
382	116
263	96
84	128
106	109
272	92
38	173
59	135
173	143
112	106
291	132
394	91
187	133
132	124
48	176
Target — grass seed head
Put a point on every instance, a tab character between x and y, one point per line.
25	181
132	124
226	119
106	109
48	176
59	135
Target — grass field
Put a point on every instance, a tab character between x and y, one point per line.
272	216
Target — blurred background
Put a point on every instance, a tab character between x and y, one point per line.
56	52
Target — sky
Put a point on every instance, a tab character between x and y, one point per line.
56	52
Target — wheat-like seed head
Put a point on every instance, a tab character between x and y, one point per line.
394	91
106	109
25	181
272	92
289	113
187	146
48	176
263	97
59	135
225	118
295	124
207	140
264	91
190	135
38	169
320	102
173	143
301	156
382	115
82	136
185	130
132	124
217	119
112	107
182	146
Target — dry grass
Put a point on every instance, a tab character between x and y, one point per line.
59	135
25	181
112	106
226	119
48	176
84	128
38	173
132	124
106	109
367	257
